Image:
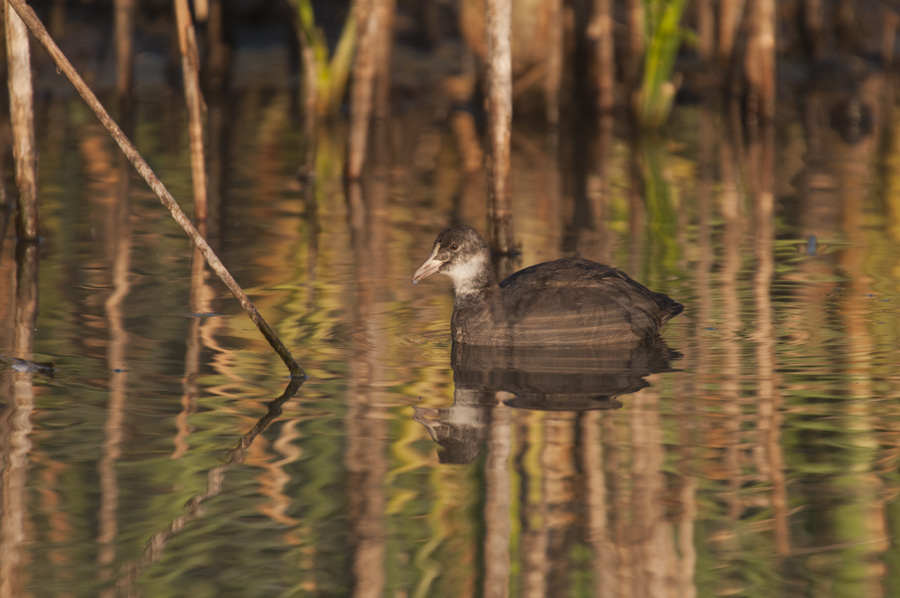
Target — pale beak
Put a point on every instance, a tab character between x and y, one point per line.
429	266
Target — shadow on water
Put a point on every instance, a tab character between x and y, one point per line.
538	379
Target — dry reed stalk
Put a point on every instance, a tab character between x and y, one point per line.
729	19
384	47
466	133
201	9
218	50
65	67
363	82
601	32
759	61
633	60
553	62
310	107
6	204
888	36
310	93
190	68
124	26
706	32
813	28
499	109
217	76
21	109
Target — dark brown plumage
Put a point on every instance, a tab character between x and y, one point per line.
567	302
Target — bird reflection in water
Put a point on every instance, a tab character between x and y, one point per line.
538	379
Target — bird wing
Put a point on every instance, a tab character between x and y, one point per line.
578	301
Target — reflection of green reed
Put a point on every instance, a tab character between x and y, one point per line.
663	34
659	200
331	74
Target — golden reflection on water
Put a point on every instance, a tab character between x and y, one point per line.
762	460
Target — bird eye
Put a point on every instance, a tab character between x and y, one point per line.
454	247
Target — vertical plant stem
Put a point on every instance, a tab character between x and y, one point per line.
759	62
729	17
310	93
124	20
706	32
499	109
218	49
201	9
362	86
21	110
888	36
601	30
385	42
554	61
64	66
657	88
310	106
634	54
813	28
190	67
217	74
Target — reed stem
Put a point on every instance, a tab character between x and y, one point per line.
190	68
499	110
21	109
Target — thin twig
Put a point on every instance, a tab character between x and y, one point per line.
62	63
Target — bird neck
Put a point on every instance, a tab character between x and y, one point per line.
472	276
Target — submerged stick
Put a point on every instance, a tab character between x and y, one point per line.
62	63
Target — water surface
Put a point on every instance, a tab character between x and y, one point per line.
758	458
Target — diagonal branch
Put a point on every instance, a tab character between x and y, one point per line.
62	63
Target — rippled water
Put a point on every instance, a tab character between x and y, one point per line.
756	454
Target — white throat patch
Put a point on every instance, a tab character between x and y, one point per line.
466	274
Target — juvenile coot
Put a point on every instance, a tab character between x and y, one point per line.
568	302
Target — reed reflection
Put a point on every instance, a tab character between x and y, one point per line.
120	243
367	419
16	425
770	461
